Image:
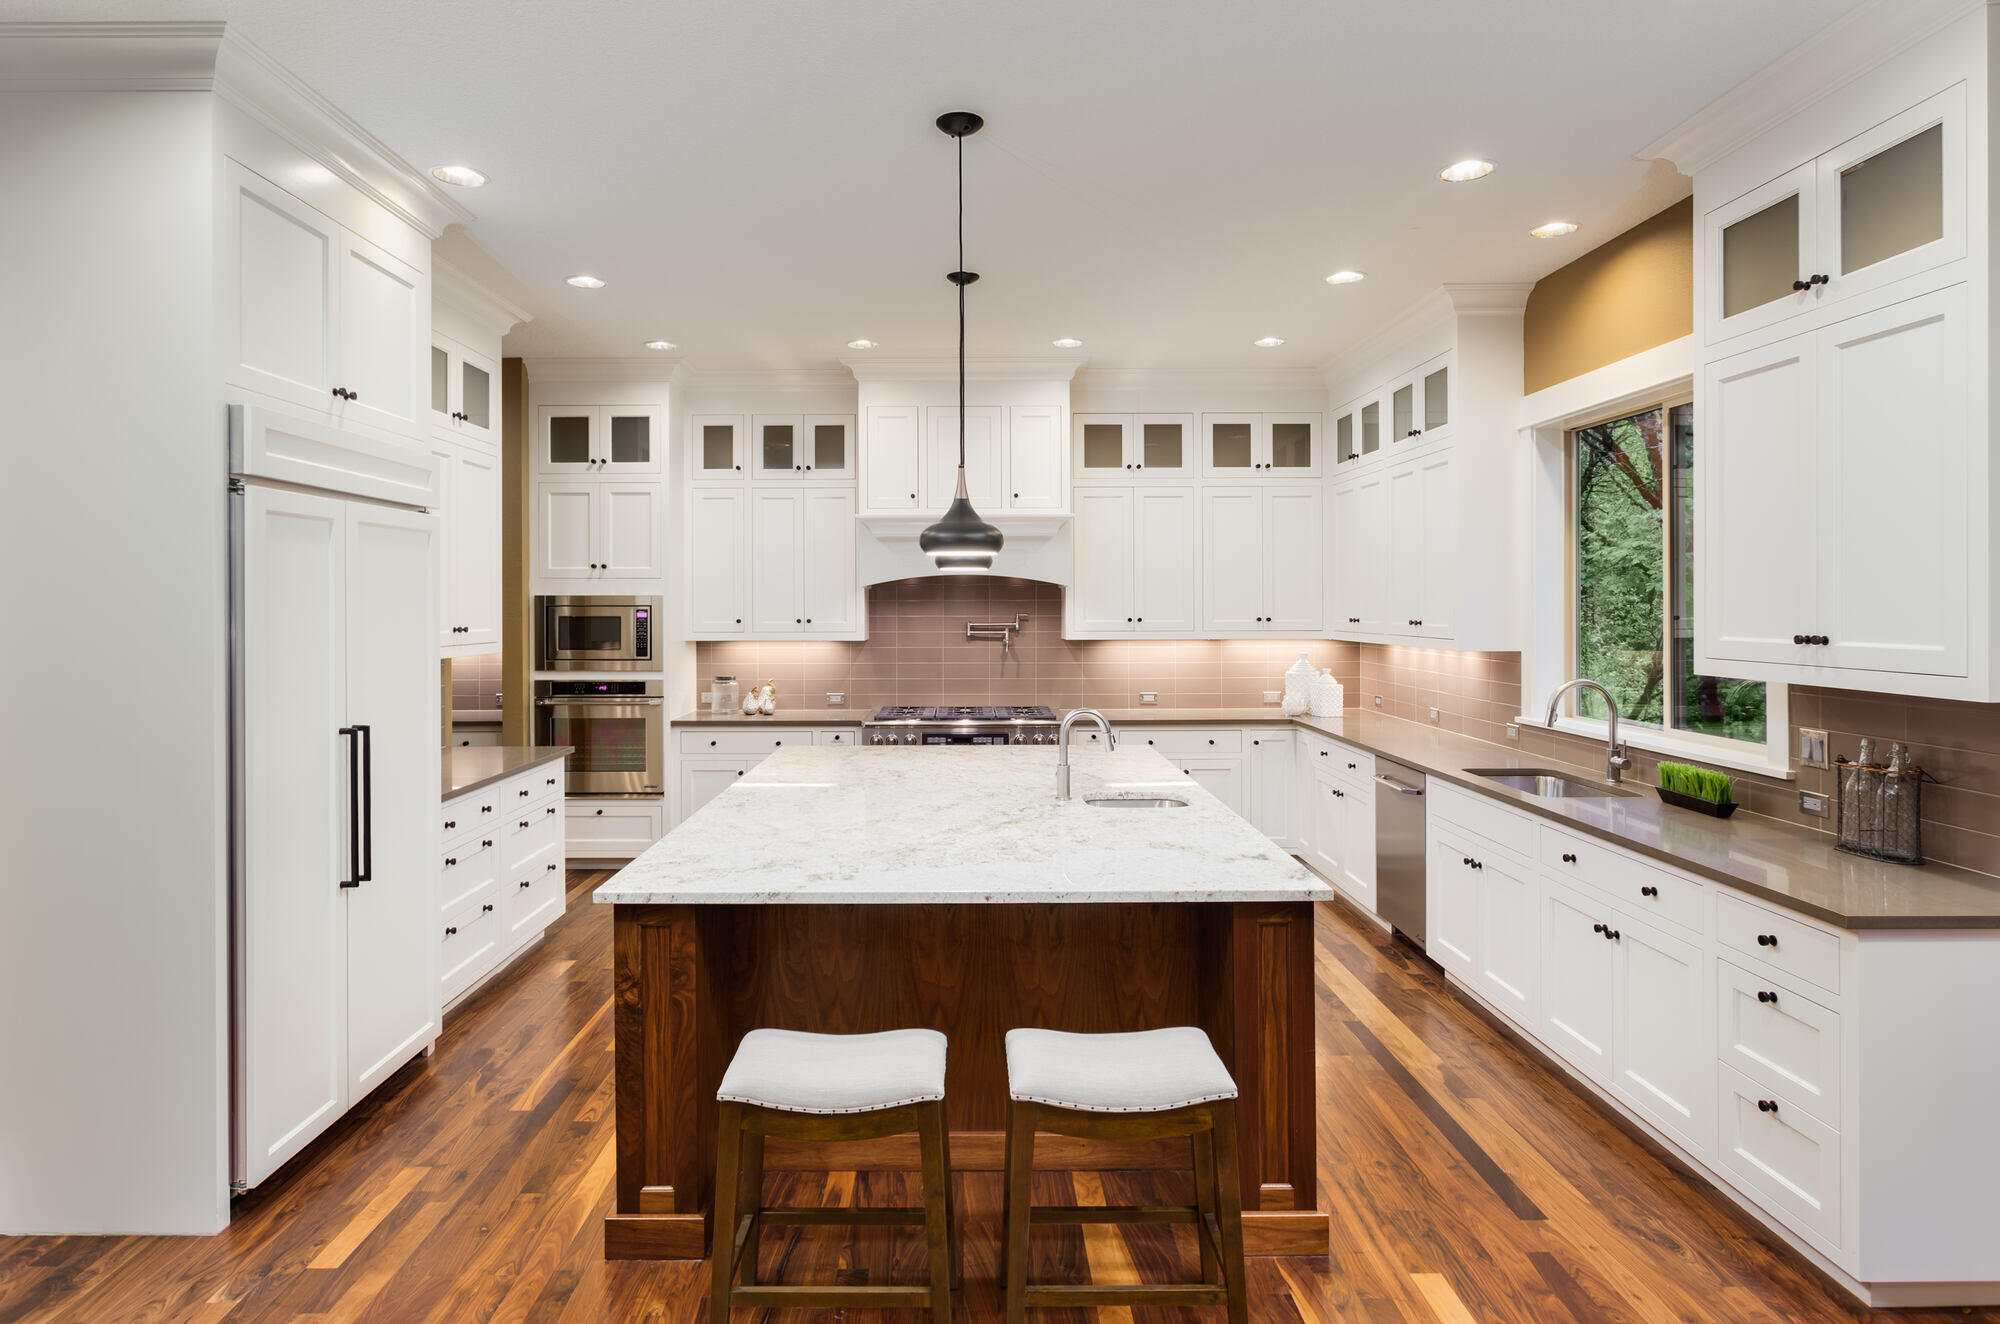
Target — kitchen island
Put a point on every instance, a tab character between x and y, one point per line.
847	890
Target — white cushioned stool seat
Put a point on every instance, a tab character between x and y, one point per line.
835	1073
1143	1072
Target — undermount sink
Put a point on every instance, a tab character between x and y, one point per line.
1134	802
1549	783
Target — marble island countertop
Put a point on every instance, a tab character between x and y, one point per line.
861	826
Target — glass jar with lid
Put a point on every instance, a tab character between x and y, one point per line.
724	696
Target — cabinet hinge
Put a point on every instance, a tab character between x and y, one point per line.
237	487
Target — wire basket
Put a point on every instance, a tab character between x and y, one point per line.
1878	811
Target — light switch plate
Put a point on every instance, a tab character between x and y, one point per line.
1513	731
1272	696
1378	701
836	699
1149	696
1812	802
1434	714
1812	748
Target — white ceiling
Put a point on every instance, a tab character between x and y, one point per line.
1165	179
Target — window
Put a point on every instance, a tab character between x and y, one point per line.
1632	546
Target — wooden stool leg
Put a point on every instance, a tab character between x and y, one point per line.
937	1221
956	1228
1229	1201
1204	1200
752	1203
1020	1181
722	1238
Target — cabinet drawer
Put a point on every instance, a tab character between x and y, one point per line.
1783	1157
1198	742
535	831
1342	761
1785	1042
532	894
471	815
1483	817
845	735
612	829
726	741
1643	890
1778	941
469	872
471	943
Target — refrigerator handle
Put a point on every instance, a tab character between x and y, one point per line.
366	873
353	804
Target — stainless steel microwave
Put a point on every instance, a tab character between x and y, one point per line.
596	633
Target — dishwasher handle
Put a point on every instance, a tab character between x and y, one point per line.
1399	787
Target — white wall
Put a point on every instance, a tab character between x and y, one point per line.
113	1071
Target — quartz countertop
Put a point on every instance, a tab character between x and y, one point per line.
947	824
469	767
783	717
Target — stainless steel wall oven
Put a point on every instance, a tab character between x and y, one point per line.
617	728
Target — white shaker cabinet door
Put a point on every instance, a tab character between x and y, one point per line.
1103	561
1451	896
630	544
566	534
1357	863
1407	549
829	575
718	590
1164	574
291	911
893	442
1233	540
1756	521
1664	1061
472	548
777	524
1437	595
1220	777
445	453
392	938
1894	492
1035	469
385	339
1509	959
280	303
982	457
1273	785
1295	524
1579	978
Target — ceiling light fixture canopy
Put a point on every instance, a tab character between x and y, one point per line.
661	344
585	282
1464	172
463	176
1067	342
1268	342
1554	230
1346	277
961	543
861	344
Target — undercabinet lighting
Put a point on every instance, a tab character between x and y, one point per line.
661	344
463	176
586	282
1554	230
1465	171
1067	342
1269	342
862	344
1346	277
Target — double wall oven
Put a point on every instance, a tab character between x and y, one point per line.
618	729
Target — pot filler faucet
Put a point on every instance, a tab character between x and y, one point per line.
1062	745
1615	761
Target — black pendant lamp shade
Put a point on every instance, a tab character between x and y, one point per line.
961	543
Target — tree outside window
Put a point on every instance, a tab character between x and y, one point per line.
1634	556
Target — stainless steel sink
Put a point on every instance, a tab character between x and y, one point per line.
1549	783
1134	802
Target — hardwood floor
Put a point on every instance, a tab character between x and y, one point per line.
1467	1183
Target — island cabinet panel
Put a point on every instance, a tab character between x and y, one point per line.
690	981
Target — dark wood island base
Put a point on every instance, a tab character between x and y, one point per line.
691	980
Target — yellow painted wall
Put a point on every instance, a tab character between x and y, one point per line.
1626	295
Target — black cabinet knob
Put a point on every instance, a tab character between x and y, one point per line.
1211	742
486	909
524	822
1479	864
1612	934
1820	280
450	929
1798	638
1767	1105
1767	940
551	868
551	809
527	883
1766	995
600	813
486	843
1649	891
1798	285
450	860
452	823
1597	928
1568	858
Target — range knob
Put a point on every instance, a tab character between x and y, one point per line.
910	739
874	740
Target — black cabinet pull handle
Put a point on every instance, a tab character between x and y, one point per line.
486	809
1766	995
485	843
1613	935
551	868
527	883
524	822
1649	891
1820	280
486	909
549	781
450	929
1568	858
552	809
1767	940
1798	285
450	860
1597	928
451	824
1767	1105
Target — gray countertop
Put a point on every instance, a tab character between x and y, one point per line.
783	717
469	767
951	824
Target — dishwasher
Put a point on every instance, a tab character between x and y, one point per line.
1400	847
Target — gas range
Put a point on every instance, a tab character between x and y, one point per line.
961	725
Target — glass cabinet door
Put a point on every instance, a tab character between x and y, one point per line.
716	439
1166	444
1292	445
1893	199
1100	445
1343	439
1761	254
829	445
566	439
475	395
441	383
1371	427
1231	443
1403	410
629	441
780	450
1437	397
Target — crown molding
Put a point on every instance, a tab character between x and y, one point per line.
1217	379
1862	39
945	368
662	368
452	286
1435	312
211	57
1483	300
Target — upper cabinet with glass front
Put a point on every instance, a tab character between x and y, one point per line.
716	444
1884	206
603	440
1260	445
1128	446
465	391
802	445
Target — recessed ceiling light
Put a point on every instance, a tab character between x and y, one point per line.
1554	230
1269	342
862	344
586	282
661	344
1346	277
1067	342
1465	171
463	176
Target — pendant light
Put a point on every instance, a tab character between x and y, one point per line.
961	543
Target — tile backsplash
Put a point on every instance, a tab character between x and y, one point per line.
917	652
475	683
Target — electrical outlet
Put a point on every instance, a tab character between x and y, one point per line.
1812	748
836	699
1272	696
1378	701
1434	714
1812	802
1149	696
1513	730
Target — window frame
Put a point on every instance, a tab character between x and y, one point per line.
1658	377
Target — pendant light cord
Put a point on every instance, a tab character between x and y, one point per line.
961	310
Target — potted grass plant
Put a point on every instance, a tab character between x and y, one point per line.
1700	789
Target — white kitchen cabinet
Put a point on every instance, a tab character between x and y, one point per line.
314	314
601	830
1421	574
1505	968
465	392
1134	562
1579	979
705	778
1799	485
502	877
716	444
803	574
1128	446
718	588
983	456
1036	475
801	446
598	529
1327	842
469	578
1221	777
1451	902
1261	446
1271	764
1359	513
893	437
1264	559
829	445
1663	1056
608	441
777	550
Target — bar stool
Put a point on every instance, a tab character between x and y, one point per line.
1145	1086
823	1087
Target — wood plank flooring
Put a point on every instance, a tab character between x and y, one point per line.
1467	1182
